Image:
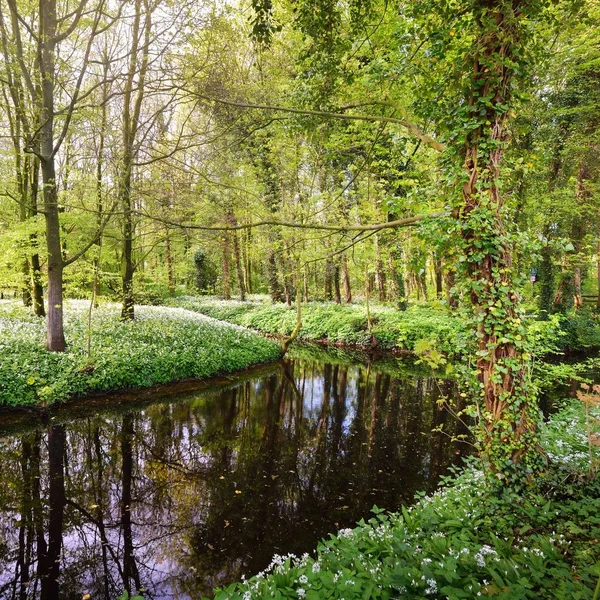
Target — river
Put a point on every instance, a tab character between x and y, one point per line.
181	489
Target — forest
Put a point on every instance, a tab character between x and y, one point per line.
276	239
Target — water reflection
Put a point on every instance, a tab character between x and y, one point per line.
179	496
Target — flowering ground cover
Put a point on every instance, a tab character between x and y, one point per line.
338	324
465	541
161	345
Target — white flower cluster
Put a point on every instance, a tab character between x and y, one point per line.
484	551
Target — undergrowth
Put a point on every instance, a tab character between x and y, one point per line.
344	324
161	345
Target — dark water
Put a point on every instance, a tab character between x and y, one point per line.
176	495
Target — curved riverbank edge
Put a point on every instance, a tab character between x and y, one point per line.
429	330
20	419
161	346
464	541
341	325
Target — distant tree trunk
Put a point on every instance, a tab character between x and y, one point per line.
336	283
546	282
598	272
328	281
239	269
305	280
397	270
578	229
248	261
439	276
450	282
422	283
346	280
36	269
225	266
169	261
275	289
379	272
99	176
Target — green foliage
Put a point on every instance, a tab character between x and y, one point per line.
341	324
462	542
205	272
162	345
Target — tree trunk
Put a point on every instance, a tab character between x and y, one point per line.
346	280
336	283
225	266
450	281
509	406
36	272
439	277
397	270
598	272
379	272
127	266
55	333
169	261
131	120
275	289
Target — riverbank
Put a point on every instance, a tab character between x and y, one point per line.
345	325
430	331
161	345
464	541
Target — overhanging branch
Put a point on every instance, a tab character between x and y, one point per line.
412	128
316	226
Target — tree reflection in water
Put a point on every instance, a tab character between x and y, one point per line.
193	492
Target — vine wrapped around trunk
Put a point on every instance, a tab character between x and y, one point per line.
507	400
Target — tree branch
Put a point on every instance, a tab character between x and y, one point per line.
341	228
412	128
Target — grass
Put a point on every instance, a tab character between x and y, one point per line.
160	346
464	541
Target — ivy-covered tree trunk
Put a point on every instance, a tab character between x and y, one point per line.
507	401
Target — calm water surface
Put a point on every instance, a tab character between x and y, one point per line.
175	495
